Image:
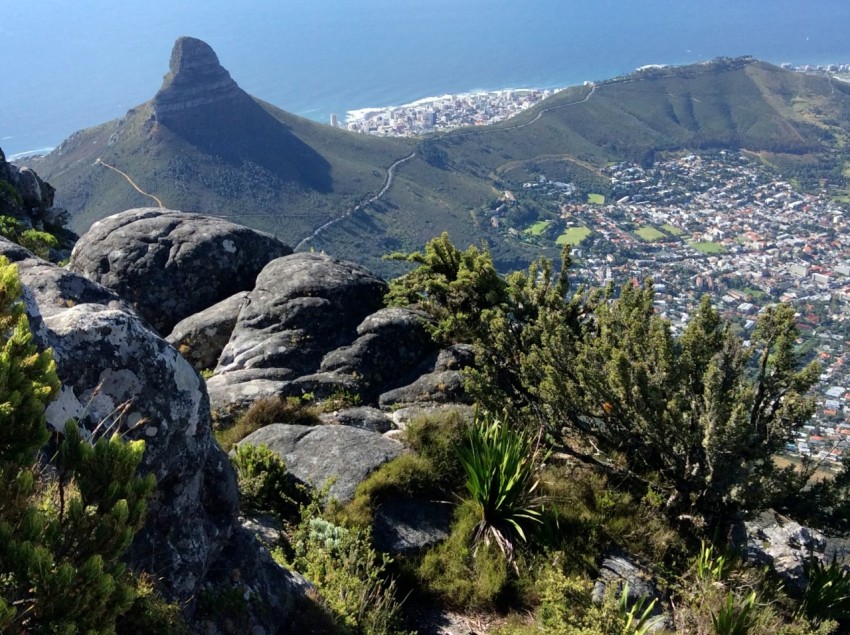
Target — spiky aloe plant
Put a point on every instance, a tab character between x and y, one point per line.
501	467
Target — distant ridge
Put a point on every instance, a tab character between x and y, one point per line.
203	144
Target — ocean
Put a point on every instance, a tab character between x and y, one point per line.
69	65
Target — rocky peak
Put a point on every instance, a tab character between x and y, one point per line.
195	78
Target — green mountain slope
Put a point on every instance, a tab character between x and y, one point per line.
204	145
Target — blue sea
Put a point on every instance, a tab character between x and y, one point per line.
68	64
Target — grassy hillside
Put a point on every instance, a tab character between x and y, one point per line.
797	123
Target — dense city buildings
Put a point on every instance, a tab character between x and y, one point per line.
719	224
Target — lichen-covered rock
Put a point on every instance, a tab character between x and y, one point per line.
785	546
201	337
317	454
302	307
170	264
405	526
118	375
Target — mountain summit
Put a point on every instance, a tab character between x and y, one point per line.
201	103
195	79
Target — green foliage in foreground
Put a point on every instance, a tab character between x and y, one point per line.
454	286
501	466
265	485
699	416
350	576
38	242
62	532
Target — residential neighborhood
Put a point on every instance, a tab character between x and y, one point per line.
720	224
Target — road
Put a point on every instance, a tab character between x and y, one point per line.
387	185
391	170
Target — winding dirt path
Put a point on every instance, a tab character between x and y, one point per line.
99	161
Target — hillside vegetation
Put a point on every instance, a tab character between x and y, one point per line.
230	163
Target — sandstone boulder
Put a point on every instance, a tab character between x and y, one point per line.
316	454
201	337
302	307
170	264
406	526
117	375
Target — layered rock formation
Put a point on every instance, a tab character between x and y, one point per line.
195	78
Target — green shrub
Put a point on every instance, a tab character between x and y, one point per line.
827	594
350	576
436	437
264	484
151	613
501	467
462	574
64	530
38	242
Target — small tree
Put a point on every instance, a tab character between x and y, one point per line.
452	285
63	528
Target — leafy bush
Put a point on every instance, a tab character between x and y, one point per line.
501	467
827	594
264	484
461	575
454	286
151	613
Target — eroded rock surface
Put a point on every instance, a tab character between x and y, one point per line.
316	454
170	264
201	337
117	374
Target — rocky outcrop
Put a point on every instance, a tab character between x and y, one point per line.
317	455
118	375
170	264
302	307
620	574
785	546
195	78
28	199
201	337
406	526
362	417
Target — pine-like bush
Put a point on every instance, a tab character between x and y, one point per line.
63	527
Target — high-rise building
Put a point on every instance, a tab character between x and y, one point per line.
334	121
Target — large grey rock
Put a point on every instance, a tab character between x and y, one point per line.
170	264
56	289
405	526
200	338
302	307
438	387
391	343
316	454
785	546
619	573
362	417
118	375
34	192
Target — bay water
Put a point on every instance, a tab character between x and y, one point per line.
68	64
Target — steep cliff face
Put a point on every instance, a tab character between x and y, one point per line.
195	79
201	103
